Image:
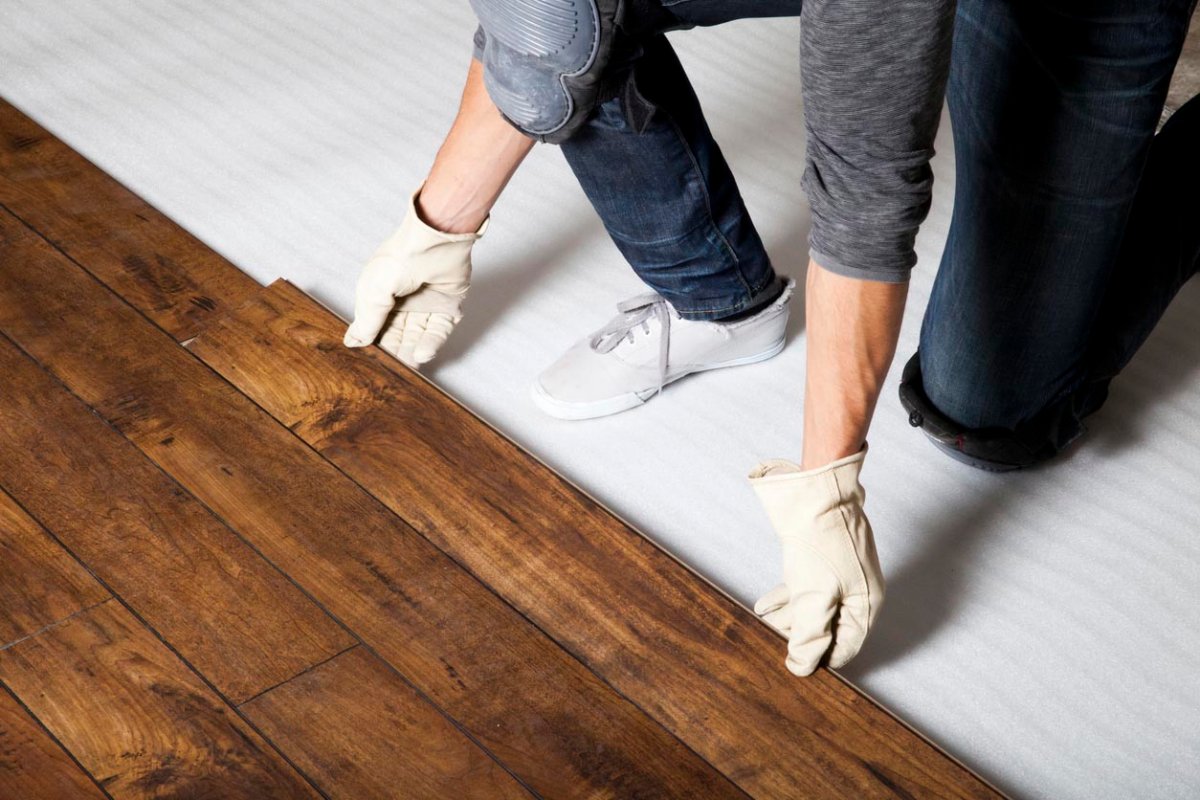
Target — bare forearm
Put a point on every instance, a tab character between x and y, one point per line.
474	164
852	327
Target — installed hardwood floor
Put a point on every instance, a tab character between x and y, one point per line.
32	764
159	267
454	639
407	752
139	721
274	567
40	583
223	607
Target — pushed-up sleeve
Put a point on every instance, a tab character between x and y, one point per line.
873	76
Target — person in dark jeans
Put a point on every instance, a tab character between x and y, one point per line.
1065	246
599	78
1074	224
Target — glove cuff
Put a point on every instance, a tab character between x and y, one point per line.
795	499
428	255
775	469
424	235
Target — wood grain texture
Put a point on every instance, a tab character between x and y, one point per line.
542	713
360	731
160	268
39	581
242	624
706	668
32	765
137	719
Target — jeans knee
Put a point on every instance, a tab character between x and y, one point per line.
962	392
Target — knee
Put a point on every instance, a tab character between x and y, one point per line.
966	388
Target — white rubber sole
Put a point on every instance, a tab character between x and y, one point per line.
561	409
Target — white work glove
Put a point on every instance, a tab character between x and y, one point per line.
429	272
830	566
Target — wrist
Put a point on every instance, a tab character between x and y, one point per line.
818	453
446	213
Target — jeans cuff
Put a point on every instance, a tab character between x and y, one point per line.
723	308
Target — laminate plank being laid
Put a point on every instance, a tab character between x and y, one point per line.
553	723
136	718
706	668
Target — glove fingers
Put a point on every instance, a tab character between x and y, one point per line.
851	631
373	303
437	331
771	601
780	619
401	334
369	316
811	633
414	337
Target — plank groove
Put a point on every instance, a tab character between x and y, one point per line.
542	713
40	583
130	246
137	719
242	624
704	667
32	765
319	719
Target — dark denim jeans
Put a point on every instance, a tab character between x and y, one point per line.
1074	225
651	168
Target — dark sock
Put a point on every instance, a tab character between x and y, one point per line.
759	305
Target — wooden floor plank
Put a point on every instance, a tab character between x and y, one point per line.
131	246
705	667
242	624
543	714
39	581
32	765
137	719
360	731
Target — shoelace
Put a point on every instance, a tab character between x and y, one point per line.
634	312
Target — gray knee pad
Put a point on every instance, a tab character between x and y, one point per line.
544	60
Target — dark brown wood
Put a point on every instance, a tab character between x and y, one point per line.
544	715
705	667
218	602
32	765
360	731
137	719
39	581
160	268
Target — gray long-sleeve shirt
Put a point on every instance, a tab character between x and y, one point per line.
873	75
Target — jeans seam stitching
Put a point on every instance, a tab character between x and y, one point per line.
708	203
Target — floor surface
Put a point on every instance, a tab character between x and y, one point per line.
1041	625
231	545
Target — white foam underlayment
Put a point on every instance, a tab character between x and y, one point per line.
1042	627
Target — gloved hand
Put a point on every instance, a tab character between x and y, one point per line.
829	561
429	272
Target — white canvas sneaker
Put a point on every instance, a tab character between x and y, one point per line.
645	347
